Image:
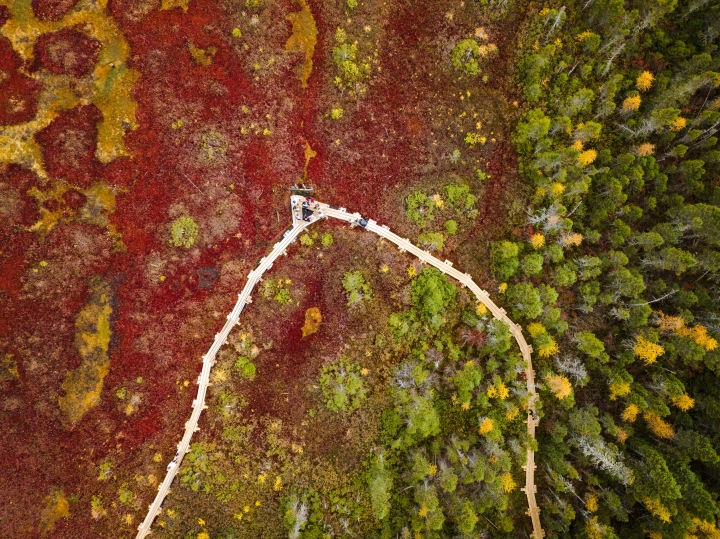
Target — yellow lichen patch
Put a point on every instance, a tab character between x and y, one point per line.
83	385
202	57
309	154
108	87
303	39
56	507
312	321
170	4
99	204
8	368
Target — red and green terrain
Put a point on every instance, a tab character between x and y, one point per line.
564	154
118	118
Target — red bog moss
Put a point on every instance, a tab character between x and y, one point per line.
69	143
18	92
66	52
52	10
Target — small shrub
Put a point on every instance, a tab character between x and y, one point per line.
245	366
434	241
451	227
465	57
336	113
306	240
327	240
455	192
184	232
283	296
420	208
356	287
342	386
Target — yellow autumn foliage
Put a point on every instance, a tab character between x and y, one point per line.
549	349
676	325
592	503
481	309
535	329
631	103
622	435
647	351
619	389
595	530
537	240
572	239
422	513
684	402
630	413
660	427
669	323
587	157
700	335
679	124
644	81
557	189
708	529
646	149
486	426
507	482
559	385
657	508
499	391
109	86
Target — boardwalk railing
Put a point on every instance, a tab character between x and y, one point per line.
315	211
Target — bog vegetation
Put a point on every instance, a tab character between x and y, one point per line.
612	272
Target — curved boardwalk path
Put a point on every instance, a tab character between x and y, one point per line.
314	212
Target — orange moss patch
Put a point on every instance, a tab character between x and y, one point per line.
312	321
83	385
8	368
170	4
303	39
56	507
99	204
309	154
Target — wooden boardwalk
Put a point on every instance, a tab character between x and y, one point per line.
312	212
